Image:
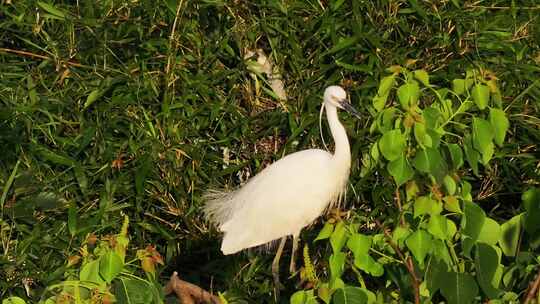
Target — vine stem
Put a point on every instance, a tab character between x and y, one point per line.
533	289
406	260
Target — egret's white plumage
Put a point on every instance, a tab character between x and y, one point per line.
287	195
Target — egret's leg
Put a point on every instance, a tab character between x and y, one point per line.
275	264
292	267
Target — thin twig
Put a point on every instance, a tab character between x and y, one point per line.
533	289
397	197
59	61
172	43
406	260
170	80
38	56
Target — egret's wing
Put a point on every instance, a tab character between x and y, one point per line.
280	200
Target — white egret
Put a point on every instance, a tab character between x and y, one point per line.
287	195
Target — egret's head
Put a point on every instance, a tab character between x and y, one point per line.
337	97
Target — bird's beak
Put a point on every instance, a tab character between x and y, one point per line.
349	108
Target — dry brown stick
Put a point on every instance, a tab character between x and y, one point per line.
188	293
173	45
64	63
533	289
38	56
407	261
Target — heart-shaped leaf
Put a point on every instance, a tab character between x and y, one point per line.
420	244
487	262
499	124
408	94
401	170
480	95
392	144
531	203
510	232
459	288
110	265
350	295
423	76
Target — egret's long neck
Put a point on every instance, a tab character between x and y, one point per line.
342	153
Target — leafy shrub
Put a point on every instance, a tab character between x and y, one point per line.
104	275
439	244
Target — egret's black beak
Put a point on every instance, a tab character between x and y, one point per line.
349	108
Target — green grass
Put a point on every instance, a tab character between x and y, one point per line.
108	111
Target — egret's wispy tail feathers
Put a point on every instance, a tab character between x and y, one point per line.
218	206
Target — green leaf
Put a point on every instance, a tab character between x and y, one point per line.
429	160
400	234
471	154
337	265
440	252
342	44
400	170
499	124
456	156
350	295
420	133
385	120
420	244
411	190
458	86
451	204
431	117
81	177
449	184
369	265
452	229
436	274
90	273
426	205
438	227
8	183
531	203
359	244
57	158
482	134
423	76
392	144
49	8
110	265
490	232
379	102
338	237
386	85
466	191
487	262
459	288
134	291
93	97
72	220
480	95
325	232
408	94
13	300
324	293
510	232
472	223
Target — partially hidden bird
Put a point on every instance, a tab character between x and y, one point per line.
288	195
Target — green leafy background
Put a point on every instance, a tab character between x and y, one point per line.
105	111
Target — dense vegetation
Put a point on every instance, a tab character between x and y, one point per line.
117	115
